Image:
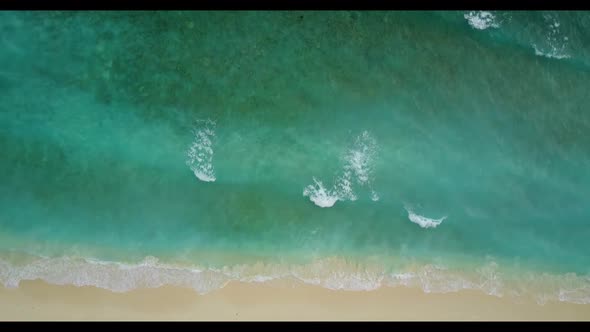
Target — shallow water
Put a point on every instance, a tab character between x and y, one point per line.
451	148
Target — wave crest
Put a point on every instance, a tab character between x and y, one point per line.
422	221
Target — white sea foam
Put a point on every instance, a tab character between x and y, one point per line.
117	277
551	52
359	159
200	152
321	196
357	170
330	272
481	20
374	196
555	43
424	222
344	187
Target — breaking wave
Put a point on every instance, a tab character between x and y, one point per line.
481	20
332	273
200	152
555	43
357	170
422	221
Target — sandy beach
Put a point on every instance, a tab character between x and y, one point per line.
37	300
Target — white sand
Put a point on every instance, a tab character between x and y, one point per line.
36	300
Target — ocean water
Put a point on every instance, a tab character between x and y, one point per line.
351	150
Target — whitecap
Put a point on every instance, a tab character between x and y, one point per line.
481	20
422	221
357	170
555	43
344	187
200	152
319	195
551	52
359	159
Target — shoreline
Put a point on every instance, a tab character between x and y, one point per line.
274	300
332	273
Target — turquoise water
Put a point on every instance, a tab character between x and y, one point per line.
451	149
